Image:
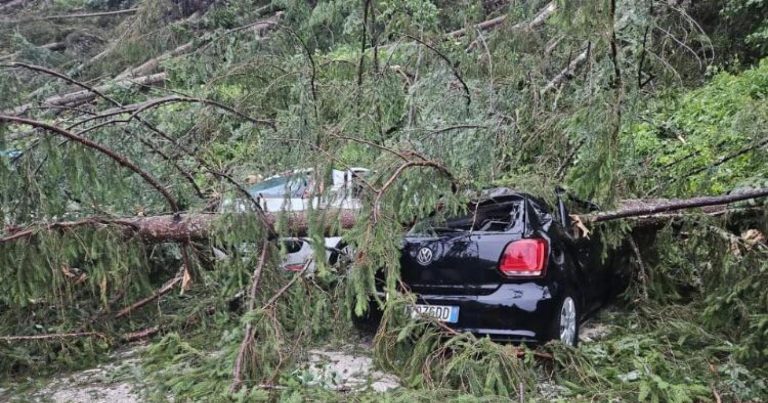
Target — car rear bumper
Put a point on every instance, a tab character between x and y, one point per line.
516	312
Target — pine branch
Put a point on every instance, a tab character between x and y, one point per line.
120	159
153	64
237	370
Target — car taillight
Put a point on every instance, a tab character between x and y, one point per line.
524	258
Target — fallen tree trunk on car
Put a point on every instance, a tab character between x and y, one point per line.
186	227
654	207
199	226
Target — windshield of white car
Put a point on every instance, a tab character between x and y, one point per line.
280	187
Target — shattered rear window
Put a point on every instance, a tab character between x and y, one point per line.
491	216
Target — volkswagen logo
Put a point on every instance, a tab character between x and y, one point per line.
424	257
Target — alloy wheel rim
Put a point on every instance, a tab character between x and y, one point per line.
568	322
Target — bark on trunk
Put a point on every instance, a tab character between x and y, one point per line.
192	226
77	98
537	20
197	226
648	208
567	72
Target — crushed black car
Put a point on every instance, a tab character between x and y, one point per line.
509	269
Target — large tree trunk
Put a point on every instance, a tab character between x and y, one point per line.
192	226
197	226
76	98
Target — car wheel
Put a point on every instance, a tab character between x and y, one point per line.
566	323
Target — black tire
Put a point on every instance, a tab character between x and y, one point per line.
568	311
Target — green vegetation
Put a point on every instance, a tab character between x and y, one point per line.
660	100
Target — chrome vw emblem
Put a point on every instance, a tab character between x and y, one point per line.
424	257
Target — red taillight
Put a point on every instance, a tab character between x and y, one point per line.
524	258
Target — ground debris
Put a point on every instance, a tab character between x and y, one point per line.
344	371
110	382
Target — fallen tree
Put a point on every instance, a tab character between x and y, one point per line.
260	27
77	98
185	227
198	226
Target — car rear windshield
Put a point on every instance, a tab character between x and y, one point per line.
506	216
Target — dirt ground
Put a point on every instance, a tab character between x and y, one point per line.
344	369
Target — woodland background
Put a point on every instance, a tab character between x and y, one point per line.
114	110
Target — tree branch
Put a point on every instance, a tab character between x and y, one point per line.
639	208
567	72
121	160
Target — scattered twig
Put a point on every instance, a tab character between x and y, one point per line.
53	336
165	289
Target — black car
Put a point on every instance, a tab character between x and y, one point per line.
509	269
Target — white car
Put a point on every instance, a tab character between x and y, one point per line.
296	191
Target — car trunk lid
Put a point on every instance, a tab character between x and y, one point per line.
461	255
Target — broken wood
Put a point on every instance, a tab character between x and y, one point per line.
165	289
84	96
536	21
53	336
153	64
140	334
539	19
568	72
198	226
644	208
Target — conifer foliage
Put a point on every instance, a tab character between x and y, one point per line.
115	112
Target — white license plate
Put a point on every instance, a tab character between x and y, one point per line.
442	313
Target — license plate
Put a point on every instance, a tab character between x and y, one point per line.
448	314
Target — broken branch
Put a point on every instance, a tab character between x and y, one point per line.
639	208
53	336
